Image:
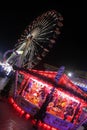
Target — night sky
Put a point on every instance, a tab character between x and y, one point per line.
70	49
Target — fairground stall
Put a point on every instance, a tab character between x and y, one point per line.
61	105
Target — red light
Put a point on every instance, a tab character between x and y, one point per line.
22	112
27	116
33	122
48	127
53	128
45	125
18	109
40	124
14	105
11	100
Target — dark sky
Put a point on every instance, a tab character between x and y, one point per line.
69	51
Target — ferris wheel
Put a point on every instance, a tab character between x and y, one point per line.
37	39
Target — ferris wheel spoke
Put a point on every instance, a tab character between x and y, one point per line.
42	46
46	33
47	28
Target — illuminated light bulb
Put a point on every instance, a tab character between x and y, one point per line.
27	116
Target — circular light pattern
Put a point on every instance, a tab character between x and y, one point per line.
38	38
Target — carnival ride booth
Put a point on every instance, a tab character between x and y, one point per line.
31	92
67	108
35	92
62	106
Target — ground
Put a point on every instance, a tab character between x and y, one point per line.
11	120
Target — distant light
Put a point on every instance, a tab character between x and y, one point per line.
20	52
70	74
6	68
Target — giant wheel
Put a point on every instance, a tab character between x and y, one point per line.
38	38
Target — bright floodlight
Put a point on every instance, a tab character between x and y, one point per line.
70	74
